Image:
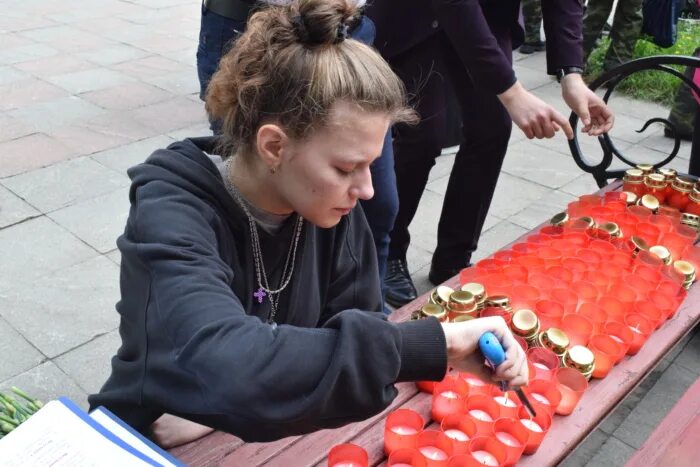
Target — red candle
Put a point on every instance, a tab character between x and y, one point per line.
457	435
404	430
433	453
543	395
406	458
485	458
483	410
531	425
460	429
401	430
507	439
641	329
480	415
540	398
571	384
435	447
448	398
536	426
513	435
347	455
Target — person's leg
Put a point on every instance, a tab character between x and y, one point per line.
415	150
486	127
532	20
626	29
594	19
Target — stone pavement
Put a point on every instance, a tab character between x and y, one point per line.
89	89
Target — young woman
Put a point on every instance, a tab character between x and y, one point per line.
250	301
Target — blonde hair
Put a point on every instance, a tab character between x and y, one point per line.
291	65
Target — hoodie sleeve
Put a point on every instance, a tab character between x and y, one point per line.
212	363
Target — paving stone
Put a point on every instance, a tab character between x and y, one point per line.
542	209
655	405
185	56
661	143
640	154
18	354
613	453
89	365
75	305
149	67
10	74
582	185
201	129
170	115
536	61
442	168
25	53
418	258
514	194
84	141
90	80
67	38
57	112
97	221
12	39
56	65
29	152
37	247
115	256
47	382
623	105
421	281
626	127
113	54
161	43
540	165
127	96
128	155
26	92
13	209
14	19
63	184
11	128
532	79
496	238
585	451
180	83
689	357
423	229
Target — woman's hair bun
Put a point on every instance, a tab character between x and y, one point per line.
318	22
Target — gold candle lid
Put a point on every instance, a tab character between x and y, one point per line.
633	176
462	300
475	289
501	301
690	219
441	295
649	202
684	268
588	220
631	197
668	173
580	357
695	194
525	322
655	181
558	220
463	317
639	244
612	228
434	310
683	185
556	340
645	168
662	253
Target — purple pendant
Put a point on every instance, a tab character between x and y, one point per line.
260	295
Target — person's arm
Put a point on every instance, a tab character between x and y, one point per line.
563	25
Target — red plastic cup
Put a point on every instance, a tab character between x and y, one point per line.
649	232
550	313
346	455
663	302
488	451
490	265
508	402
551	256
435	447
613	307
592	258
640	212
522	248
467	275
626	294
651	312
515	272
537	426
595	314
544	361
687	232
475	384
597	279
506	255
524	296
692	255
605	349
644	263
571	384
639	284
522	343
538	239
567	297
512	434
552	231
562	273
543	395
401	430
406	458
575	264
621	333
542	281
497	311
530	262
622	259
601	246
463	460
591	200
641	330
672	289
460	429
428	386
586	291
497	284
483	410
449	397
578	328
664	223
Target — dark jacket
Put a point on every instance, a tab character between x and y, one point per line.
470	25
195	342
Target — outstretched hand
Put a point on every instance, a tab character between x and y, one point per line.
532	115
596	116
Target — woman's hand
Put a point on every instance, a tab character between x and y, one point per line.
463	351
534	117
595	115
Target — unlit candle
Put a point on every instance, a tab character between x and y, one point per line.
457	435
404	430
617	339
505	401
485	458
475	381
531	425
540	398
433	453
541	366
508	439
347	464
480	415
450	395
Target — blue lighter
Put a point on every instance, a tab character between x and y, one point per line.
493	352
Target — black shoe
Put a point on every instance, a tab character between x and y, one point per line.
439	275
398	284
531	47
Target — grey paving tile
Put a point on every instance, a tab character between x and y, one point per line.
115	256
10	74
29	152
57	112
75	305
661	143
170	115
655	405
540	165
17	20
128	155
180	83
201	129
496	238
161	43
13	209
626	127
47	382
11	128
623	105
90	80
56	65
585	451
542	209
582	185
536	61
37	247
184	56
613	453
513	195
25	53
89	364
97	221
67	38
442	167
420	280
622	411
532	79
423	229
418	258
127	96
84	141
113	54
121	123
63	184
149	67
26	92
689	357
18	354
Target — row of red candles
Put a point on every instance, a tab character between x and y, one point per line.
597	289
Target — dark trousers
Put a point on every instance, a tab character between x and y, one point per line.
486	129
216	35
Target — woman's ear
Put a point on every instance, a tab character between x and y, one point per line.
270	143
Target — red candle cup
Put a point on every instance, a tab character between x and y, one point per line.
515	272
641	329
497	284
464	460
578	328
506	255
544	361
475	384
651	312
611	196
522	249
551	256
672	289
567	297
649	232
562	273
571	384
613	307
435	447
664	224
460	429
622	258
640	212
347	455
488	451
531	262
549	313
524	296
605	349
522	343
626	294
552	231
497	311
468	275
401	430
640	285
543	395
692	255
483	410
664	303
647	265
586	291
513	435
508	402
542	281
595	314
449	397
537	426
426	386
601	246
597	279
621	333
538	239
490	265
592	258
406	458
590	200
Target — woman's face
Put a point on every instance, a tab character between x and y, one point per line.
323	176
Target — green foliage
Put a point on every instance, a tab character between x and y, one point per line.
653	86
14	412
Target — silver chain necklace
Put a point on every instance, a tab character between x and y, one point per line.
260	273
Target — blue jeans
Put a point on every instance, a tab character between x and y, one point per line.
215	36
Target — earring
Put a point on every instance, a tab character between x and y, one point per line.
273	169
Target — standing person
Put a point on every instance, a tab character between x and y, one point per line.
626	28
532	21
224	20
471	44
249	300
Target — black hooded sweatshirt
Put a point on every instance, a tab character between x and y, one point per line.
196	343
